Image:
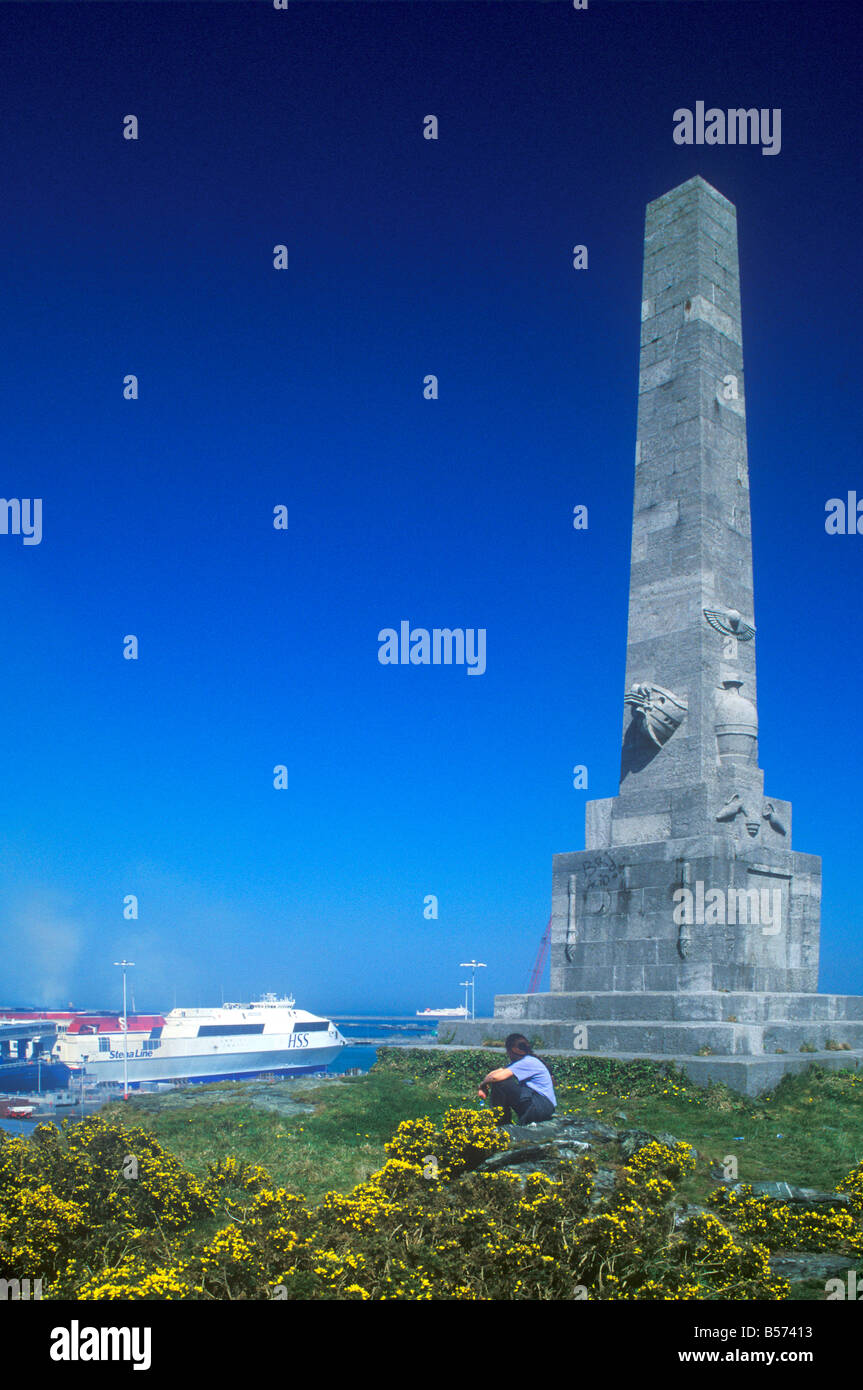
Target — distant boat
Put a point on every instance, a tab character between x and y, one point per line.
16	1112
460	1012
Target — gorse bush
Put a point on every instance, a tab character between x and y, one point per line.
853	1186
430	1224
64	1196
783	1227
465	1138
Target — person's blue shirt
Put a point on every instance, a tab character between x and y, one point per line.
536	1075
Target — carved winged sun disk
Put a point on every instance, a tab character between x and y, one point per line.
730	623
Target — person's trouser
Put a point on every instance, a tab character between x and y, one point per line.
529	1105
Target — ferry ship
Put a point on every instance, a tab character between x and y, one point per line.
460	1012
217	1044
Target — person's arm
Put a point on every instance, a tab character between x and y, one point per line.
499	1074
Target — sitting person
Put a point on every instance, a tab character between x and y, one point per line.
525	1086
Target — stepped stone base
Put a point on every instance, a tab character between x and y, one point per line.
748	1040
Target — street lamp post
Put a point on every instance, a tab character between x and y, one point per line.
473	966
465	984
125	964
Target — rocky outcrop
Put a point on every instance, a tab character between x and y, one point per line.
538	1148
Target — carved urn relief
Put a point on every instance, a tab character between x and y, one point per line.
736	725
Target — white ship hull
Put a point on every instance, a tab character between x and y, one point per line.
207	1067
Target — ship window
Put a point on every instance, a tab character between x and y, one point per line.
320	1026
149	1045
223	1030
104	1044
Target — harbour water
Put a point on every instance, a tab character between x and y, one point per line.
375	1030
365	1034
18	1127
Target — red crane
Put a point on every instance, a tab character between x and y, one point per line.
539	963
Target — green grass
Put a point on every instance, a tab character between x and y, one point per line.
337	1146
819	1116
809	1132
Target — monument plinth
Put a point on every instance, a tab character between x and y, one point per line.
688	927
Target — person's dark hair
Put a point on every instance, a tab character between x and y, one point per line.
518	1043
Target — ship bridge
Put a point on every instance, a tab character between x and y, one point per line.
26	1040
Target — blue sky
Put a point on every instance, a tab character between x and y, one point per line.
304	387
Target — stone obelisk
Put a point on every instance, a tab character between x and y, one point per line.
691	808
688	928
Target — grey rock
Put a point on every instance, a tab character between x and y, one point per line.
631	1140
516	1157
548	1163
540	1147
813	1197
590	1131
572	1149
795	1265
540	1132
603	1185
567	1127
282	1097
794	1196
684	1210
